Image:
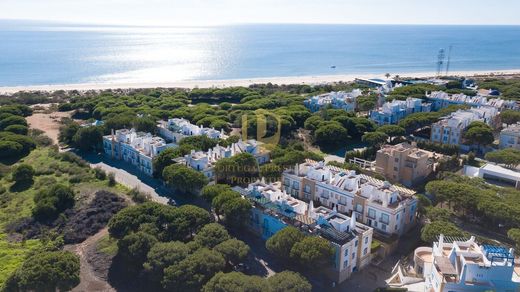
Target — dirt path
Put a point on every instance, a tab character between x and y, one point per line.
89	281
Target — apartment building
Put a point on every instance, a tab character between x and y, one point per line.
441	99
137	148
404	163
394	111
510	137
338	100
177	129
204	161
387	208
274	209
458	264
450	130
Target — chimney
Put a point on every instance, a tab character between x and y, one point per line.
310	212
384	200
353	222
297	169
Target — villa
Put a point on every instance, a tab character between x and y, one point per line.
392	112
441	99
387	208
137	148
274	210
404	163
450	129
177	129
510	137
338	100
204	161
458	264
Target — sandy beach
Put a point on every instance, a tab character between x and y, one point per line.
310	80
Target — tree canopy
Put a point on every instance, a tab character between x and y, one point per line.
431	232
312	251
46	271
330	134
288	281
211	235
374	139
49	203
23	173
479	133
509	157
235	281
283	241
194	271
184	179
233	250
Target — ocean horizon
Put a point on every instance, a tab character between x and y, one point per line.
44	53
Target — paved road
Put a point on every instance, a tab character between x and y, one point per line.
336	158
129	176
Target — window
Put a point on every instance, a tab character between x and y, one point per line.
384	218
383	227
325	194
366	240
365	251
353	255
346	253
287	182
343	200
296	185
396	160
307	189
396	169
355	243
371	213
359	208
345	264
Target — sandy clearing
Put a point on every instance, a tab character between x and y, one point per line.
49	123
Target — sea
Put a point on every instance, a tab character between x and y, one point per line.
47	53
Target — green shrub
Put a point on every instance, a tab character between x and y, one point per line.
100	173
111	179
23	173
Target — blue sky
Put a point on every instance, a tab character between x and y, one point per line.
216	12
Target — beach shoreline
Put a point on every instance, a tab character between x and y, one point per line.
308	80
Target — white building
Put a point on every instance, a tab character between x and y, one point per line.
137	148
510	137
494	174
387	208
205	161
456	264
450	129
274	209
441	99
177	129
392	112
338	100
